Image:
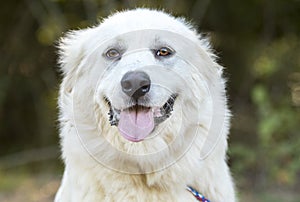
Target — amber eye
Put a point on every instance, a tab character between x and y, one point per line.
112	53
164	51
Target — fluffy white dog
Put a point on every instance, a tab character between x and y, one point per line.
143	113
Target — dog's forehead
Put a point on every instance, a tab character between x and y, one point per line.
141	28
141	38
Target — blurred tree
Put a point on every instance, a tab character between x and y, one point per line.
27	81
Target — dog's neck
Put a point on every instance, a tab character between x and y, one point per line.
165	179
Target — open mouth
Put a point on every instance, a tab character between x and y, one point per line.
136	122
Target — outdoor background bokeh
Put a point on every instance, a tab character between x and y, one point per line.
258	42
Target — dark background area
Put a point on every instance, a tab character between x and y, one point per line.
258	41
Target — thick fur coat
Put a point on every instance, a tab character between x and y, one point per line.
179	138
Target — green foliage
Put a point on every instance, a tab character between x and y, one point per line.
278	126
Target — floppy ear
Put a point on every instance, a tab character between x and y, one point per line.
204	45
70	51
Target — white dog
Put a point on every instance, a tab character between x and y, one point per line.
143	113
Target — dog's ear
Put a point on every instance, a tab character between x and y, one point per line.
208	52
70	51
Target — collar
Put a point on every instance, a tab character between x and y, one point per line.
197	195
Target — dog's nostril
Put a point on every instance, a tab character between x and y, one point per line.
135	84
126	85
145	88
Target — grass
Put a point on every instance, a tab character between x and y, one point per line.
21	186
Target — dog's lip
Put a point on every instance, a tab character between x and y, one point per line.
134	106
154	108
160	113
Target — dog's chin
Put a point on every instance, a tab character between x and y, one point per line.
136	122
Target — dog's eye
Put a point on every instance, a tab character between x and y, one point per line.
112	53
164	51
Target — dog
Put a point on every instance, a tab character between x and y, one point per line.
143	112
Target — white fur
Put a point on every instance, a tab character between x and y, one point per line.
199	122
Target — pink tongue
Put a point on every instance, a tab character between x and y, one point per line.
136	125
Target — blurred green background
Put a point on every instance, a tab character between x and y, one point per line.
258	41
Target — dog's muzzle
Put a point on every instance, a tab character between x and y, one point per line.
137	121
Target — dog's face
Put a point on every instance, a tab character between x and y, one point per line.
140	84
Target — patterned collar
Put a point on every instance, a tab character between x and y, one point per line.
197	195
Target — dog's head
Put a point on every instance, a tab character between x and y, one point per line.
142	81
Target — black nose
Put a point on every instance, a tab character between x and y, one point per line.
135	84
